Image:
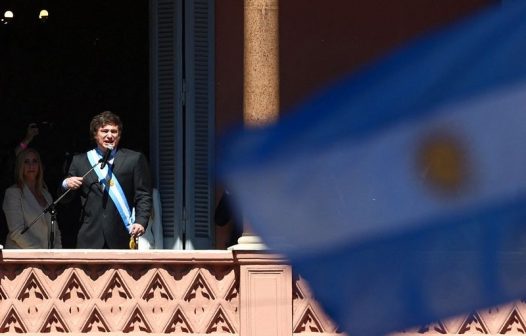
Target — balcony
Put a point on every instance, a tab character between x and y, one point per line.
116	292
113	292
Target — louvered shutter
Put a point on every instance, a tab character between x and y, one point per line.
166	122
182	120
200	100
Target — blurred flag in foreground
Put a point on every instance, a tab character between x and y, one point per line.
400	192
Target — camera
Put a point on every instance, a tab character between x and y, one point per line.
44	125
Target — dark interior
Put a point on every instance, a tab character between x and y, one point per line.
87	57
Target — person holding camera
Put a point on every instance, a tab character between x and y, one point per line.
7	164
31	132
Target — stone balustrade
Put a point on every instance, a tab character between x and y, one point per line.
115	292
112	292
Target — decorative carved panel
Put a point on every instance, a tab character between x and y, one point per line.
308	316
200	293
502	320
125	296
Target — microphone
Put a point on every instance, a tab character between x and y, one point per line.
106	156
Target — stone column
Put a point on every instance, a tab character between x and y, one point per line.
261	79
261	63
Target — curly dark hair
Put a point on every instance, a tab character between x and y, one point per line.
102	119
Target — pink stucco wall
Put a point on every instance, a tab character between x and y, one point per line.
321	40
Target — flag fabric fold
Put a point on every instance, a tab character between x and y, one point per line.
399	193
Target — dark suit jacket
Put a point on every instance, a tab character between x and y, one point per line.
100	223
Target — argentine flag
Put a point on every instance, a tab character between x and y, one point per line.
399	193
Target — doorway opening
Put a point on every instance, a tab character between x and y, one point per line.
87	56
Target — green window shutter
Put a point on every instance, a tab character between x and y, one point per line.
182	119
166	96
199	123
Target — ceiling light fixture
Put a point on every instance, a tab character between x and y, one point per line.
43	15
8	17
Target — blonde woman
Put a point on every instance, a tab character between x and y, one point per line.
25	201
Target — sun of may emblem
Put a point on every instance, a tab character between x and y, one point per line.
443	162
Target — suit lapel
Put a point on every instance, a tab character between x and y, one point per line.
92	179
119	161
31	199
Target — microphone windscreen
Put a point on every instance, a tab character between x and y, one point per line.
106	156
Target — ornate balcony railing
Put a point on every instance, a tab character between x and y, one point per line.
111	292
156	292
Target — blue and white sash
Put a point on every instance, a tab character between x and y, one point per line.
110	182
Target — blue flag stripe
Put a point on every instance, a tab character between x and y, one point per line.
399	192
487	50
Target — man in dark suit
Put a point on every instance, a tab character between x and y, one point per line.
116	197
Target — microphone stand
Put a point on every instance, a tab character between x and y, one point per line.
51	209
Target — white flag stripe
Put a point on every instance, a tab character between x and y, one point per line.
382	186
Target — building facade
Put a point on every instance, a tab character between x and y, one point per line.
215	64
